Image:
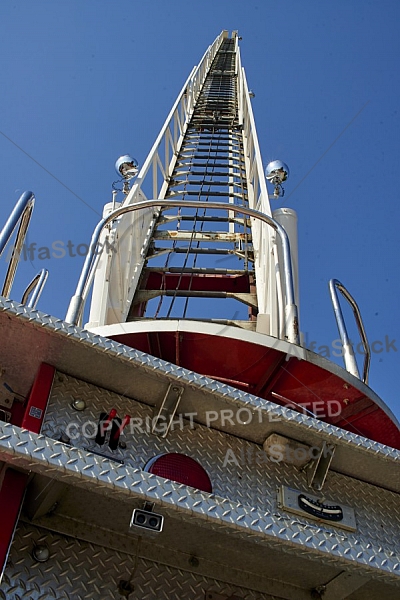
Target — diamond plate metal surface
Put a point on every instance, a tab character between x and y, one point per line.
245	502
40	454
82	571
62	330
238	469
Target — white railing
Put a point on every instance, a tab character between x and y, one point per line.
21	214
117	275
78	299
161	160
267	268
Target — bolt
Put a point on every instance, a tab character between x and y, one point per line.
64	438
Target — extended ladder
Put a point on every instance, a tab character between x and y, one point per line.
195	262
188	249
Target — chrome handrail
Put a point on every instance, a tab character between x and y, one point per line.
348	351
36	285
77	301
22	212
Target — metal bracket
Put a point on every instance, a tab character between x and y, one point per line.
319	467
164	415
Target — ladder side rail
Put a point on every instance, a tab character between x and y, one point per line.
21	214
267	269
76	305
183	106
166	134
155	172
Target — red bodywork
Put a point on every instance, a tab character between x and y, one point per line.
272	374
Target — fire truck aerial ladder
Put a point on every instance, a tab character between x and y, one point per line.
184	444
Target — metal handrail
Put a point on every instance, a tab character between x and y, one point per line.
154	176
22	212
348	351
258	198
77	301
36	286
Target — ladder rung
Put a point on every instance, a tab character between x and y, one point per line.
206	183
227	173
146	295
200	270
201	236
169	218
180	250
201	194
211	151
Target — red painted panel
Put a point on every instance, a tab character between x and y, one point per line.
38	399
197	282
302	385
11	496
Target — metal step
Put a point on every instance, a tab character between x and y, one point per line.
188	250
204	218
206	194
236	150
208	173
206	183
201	236
200	270
146	295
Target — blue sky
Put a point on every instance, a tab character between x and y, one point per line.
84	82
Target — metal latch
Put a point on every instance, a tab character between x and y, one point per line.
319	467
164	415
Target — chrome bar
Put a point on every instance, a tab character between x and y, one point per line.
22	212
291	313
348	351
36	285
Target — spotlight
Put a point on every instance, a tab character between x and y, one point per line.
127	167
276	173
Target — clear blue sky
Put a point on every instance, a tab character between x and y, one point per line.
84	82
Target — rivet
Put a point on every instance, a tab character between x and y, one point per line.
41	553
78	404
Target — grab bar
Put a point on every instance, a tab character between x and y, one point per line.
22	212
36	285
348	351
291	313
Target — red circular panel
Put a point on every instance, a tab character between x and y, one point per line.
182	469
